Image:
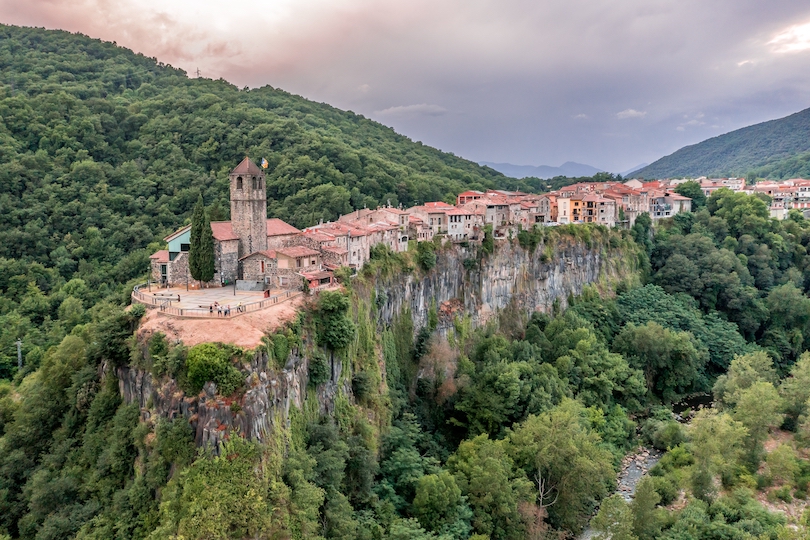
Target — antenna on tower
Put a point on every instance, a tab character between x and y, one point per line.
198	73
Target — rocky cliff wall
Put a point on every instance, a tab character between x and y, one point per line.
481	287
531	281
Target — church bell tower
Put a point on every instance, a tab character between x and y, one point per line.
249	207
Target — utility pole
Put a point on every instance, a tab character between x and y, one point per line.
19	355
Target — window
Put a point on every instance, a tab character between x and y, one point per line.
255	183
238	182
261	263
298	263
312	262
185	247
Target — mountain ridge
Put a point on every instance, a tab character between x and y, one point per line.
778	148
569	168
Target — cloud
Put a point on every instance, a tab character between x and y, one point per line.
514	74
422	109
791	40
630	113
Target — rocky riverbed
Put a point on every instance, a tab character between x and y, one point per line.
633	469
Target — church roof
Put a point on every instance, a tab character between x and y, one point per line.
247	167
277	227
223	230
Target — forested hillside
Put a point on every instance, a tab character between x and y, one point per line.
103	152
775	149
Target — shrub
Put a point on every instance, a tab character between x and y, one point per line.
782	494
363	386
209	362
426	255
666	488
318	368
488	243
335	330
137	311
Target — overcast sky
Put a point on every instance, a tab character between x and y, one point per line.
611	83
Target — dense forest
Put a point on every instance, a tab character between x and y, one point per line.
104	152
776	149
508	431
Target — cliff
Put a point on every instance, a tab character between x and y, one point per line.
462	283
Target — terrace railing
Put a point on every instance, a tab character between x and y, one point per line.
164	304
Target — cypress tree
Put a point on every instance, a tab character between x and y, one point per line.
201	248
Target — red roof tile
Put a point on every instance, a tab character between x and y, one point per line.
161	256
297	251
246	167
223	231
276	227
437	204
270	254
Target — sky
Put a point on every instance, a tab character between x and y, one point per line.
610	83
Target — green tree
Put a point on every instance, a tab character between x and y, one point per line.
795	389
494	487
744	372
614	521
201	249
647	520
222	497
758	408
717	445
671	361
438	504
564	457
692	190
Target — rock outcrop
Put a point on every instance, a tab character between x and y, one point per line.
460	283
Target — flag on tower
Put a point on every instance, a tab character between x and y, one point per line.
264	163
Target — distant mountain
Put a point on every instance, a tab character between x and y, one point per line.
774	149
631	171
569	168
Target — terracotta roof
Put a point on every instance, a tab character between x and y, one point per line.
459	212
415	220
437	204
223	231
270	254
318	236
276	227
335	249
393	210
297	251
247	167
161	256
317	275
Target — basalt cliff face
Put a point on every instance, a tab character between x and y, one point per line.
460	284
511	276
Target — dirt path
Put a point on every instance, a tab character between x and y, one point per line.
244	331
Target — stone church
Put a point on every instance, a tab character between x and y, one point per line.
250	248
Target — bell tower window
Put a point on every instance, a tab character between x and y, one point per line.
255	183
238	182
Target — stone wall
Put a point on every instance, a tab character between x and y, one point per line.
227	258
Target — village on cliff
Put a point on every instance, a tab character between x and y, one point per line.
258	253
